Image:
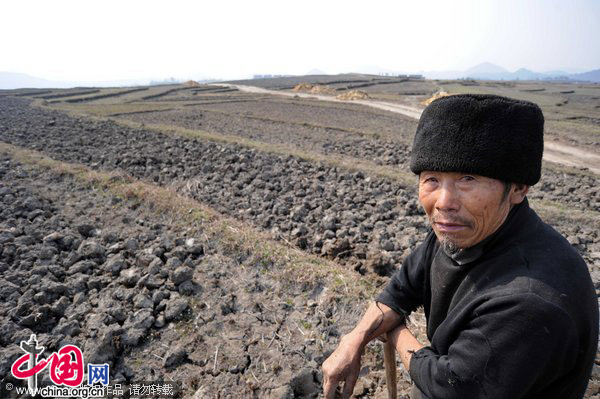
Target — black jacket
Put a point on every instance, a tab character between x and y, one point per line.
515	316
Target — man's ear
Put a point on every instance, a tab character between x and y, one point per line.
518	193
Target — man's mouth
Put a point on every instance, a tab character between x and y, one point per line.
446	227
449	225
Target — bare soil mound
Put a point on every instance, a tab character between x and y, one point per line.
437	95
303	87
321	89
192	83
353	95
314	88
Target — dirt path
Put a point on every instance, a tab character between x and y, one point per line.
411	112
553	152
571	156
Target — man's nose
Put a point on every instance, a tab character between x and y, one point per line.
447	199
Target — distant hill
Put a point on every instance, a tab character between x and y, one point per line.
489	71
558	73
591	76
483	71
526	74
486	68
316	72
12	80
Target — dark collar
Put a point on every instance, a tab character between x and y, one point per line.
471	254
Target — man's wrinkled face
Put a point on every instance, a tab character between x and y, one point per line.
463	209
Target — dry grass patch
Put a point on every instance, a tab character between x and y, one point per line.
578	130
104	110
559	168
552	212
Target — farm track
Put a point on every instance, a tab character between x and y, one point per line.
406	110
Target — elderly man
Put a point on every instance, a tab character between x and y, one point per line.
511	309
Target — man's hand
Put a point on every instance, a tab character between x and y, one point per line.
343	365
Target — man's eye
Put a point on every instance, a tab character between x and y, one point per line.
468	178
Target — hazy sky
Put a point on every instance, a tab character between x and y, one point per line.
129	39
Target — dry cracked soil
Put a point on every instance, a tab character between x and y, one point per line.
89	261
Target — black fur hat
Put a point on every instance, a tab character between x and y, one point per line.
487	135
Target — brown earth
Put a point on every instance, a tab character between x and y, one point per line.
192	83
217	243
353	95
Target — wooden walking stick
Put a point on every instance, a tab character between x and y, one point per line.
389	361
